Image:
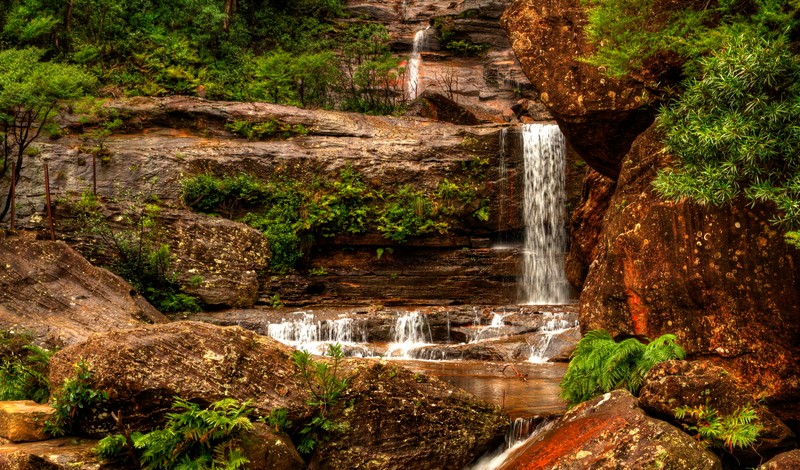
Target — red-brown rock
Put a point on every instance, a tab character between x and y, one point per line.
586	224
23	420
785	461
611	432
674	384
721	278
51	291
599	116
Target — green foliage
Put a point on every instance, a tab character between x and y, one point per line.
209	194
24	368
449	40
192	438
72	399
325	386
599	364
278	420
139	254
29	92
408	213
266	130
737	430
735	129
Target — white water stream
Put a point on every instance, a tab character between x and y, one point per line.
544	281
414	63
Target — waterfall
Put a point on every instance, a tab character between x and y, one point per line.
411	331
553	325
521	431
414	62
314	336
544	281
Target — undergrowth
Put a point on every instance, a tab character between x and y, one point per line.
599	364
73	399
24	368
739	429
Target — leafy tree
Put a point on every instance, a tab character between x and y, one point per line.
29	92
736	129
599	364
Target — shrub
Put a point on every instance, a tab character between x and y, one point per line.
739	429
72	399
408	213
23	370
193	438
599	364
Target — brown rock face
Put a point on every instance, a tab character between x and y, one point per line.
599	116
225	257
675	384
144	369
611	432
722	279
51	291
586	224
785	461
67	453
402	420
23	421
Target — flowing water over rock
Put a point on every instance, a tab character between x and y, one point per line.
414	63
552	327
520	431
544	280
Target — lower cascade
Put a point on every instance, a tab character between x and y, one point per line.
544	281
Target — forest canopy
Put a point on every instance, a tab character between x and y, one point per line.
283	51
733	124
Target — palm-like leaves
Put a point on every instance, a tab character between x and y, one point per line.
600	364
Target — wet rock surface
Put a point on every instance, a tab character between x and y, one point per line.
611	432
51	291
674	384
65	453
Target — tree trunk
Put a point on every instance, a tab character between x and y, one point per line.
230	10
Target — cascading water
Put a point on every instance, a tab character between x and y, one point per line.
521	431
314	336
544	281
411	331
503	188
414	62
553	325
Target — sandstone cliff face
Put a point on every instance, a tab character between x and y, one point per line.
722	278
169	139
599	116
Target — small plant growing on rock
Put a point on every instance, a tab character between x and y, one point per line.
324	386
72	398
599	364
23	368
192	438
737	430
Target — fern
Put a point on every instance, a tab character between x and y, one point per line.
192	439
599	364
739	429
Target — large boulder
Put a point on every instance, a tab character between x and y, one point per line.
785	461
48	289
674	384
216	259
721	278
398	419
144	369
611	432
599	116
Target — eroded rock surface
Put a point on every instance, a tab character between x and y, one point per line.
785	461
144	369
66	453
51	291
674	384
611	432
600	116
721	278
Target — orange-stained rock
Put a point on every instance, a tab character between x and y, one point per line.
599	116
611	432
721	278
23	420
